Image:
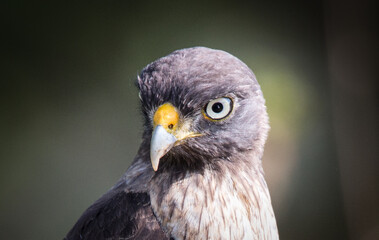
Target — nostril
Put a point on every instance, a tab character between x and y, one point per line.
171	126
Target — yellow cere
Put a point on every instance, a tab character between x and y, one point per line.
167	116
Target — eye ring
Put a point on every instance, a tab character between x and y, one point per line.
218	109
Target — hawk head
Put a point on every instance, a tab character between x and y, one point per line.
202	107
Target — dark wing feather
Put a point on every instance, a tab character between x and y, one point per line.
118	215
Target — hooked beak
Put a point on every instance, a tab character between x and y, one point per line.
168	132
161	143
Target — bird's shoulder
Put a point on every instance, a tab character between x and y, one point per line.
118	215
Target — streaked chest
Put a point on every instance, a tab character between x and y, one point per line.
207	207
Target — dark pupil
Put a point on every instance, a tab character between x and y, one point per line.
217	107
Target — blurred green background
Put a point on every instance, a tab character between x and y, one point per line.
70	121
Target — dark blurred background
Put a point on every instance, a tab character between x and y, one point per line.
70	122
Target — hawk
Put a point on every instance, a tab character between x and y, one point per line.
198	172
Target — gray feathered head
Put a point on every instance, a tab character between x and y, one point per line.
201	107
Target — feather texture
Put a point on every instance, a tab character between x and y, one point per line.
118	215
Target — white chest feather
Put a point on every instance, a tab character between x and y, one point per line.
207	207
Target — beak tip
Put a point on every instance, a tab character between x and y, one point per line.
155	161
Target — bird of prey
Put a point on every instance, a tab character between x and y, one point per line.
198	172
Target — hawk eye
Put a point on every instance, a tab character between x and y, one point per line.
219	108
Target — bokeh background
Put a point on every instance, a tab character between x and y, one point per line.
70	121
